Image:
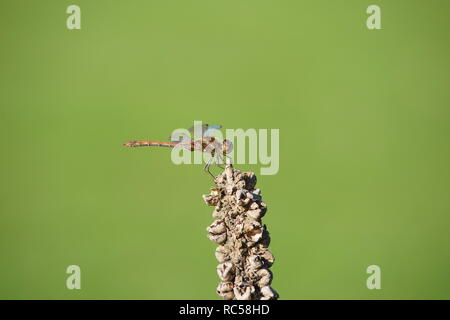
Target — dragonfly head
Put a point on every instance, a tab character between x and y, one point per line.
227	146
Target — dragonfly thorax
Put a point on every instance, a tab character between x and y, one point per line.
227	146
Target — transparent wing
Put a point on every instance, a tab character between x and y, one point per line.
194	132
180	137
203	129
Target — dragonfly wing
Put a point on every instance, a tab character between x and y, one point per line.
203	129
179	137
188	145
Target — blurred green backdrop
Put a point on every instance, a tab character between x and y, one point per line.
364	126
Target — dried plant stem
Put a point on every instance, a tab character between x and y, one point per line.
243	240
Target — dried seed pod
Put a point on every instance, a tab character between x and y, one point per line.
251	225
215	192
217	238
216	214
225	290
268	293
268	257
254	206
265	277
227	295
254	234
222	254
245	201
243	292
243	252
217	227
225	271
240	184
254	262
254	214
212	199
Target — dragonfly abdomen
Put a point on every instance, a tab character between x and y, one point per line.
141	143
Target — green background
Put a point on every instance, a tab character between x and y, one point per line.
364	144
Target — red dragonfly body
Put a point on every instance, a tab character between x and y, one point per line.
204	144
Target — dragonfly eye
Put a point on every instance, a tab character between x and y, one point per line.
227	146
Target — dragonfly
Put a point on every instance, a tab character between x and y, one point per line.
203	142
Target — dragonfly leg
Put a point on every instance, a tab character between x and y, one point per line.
206	167
228	159
219	161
